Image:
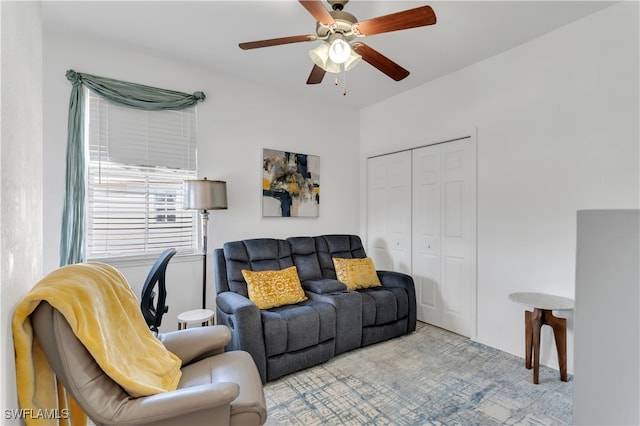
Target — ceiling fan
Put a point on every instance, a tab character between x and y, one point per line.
338	29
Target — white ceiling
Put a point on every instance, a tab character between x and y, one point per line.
207	33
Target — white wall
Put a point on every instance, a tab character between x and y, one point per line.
557	123
235	122
20	174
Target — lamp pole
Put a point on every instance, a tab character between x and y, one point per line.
205	223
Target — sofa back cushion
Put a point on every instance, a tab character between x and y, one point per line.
313	257
338	245
305	257
260	254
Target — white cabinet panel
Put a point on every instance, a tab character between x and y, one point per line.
606	318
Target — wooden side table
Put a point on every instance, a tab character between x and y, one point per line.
543	306
197	316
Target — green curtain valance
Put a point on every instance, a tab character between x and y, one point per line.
72	237
135	95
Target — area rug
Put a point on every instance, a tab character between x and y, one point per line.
430	377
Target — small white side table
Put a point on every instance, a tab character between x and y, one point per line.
197	316
543	306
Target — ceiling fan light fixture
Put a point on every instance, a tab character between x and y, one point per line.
339	51
320	56
353	60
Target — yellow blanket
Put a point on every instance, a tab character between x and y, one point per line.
104	314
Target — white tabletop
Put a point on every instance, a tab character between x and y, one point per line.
543	301
196	315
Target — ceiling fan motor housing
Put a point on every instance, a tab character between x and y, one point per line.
343	25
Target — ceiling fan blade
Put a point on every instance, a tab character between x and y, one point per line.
316	76
318	11
276	41
412	18
379	61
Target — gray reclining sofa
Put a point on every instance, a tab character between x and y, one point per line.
333	320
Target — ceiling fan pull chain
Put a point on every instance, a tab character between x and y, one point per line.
344	81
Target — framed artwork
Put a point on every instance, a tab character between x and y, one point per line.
290	184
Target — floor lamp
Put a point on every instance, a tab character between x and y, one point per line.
205	195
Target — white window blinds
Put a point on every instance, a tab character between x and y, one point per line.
138	161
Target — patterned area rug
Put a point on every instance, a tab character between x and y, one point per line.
430	377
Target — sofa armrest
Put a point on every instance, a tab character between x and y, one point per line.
230	302
243	318
395	279
323	286
196	343
404	281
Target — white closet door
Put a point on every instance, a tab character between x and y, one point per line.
389	211
443	249
426	233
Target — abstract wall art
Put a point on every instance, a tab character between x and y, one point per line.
290	184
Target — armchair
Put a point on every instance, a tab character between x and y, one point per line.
215	388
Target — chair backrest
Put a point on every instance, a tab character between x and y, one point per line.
98	395
157	275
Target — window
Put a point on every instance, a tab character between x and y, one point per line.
138	161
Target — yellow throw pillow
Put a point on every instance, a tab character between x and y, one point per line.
269	289
356	273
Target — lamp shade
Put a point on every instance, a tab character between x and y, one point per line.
205	194
339	51
352	61
320	56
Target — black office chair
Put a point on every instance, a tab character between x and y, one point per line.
153	312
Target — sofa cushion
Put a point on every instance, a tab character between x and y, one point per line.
258	254
268	289
402	299
379	306
324	286
305	257
356	273
295	327
342	246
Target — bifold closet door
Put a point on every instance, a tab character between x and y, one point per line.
389	211
443	247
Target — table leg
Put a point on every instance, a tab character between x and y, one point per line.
528	338
559	326
533	325
536	323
